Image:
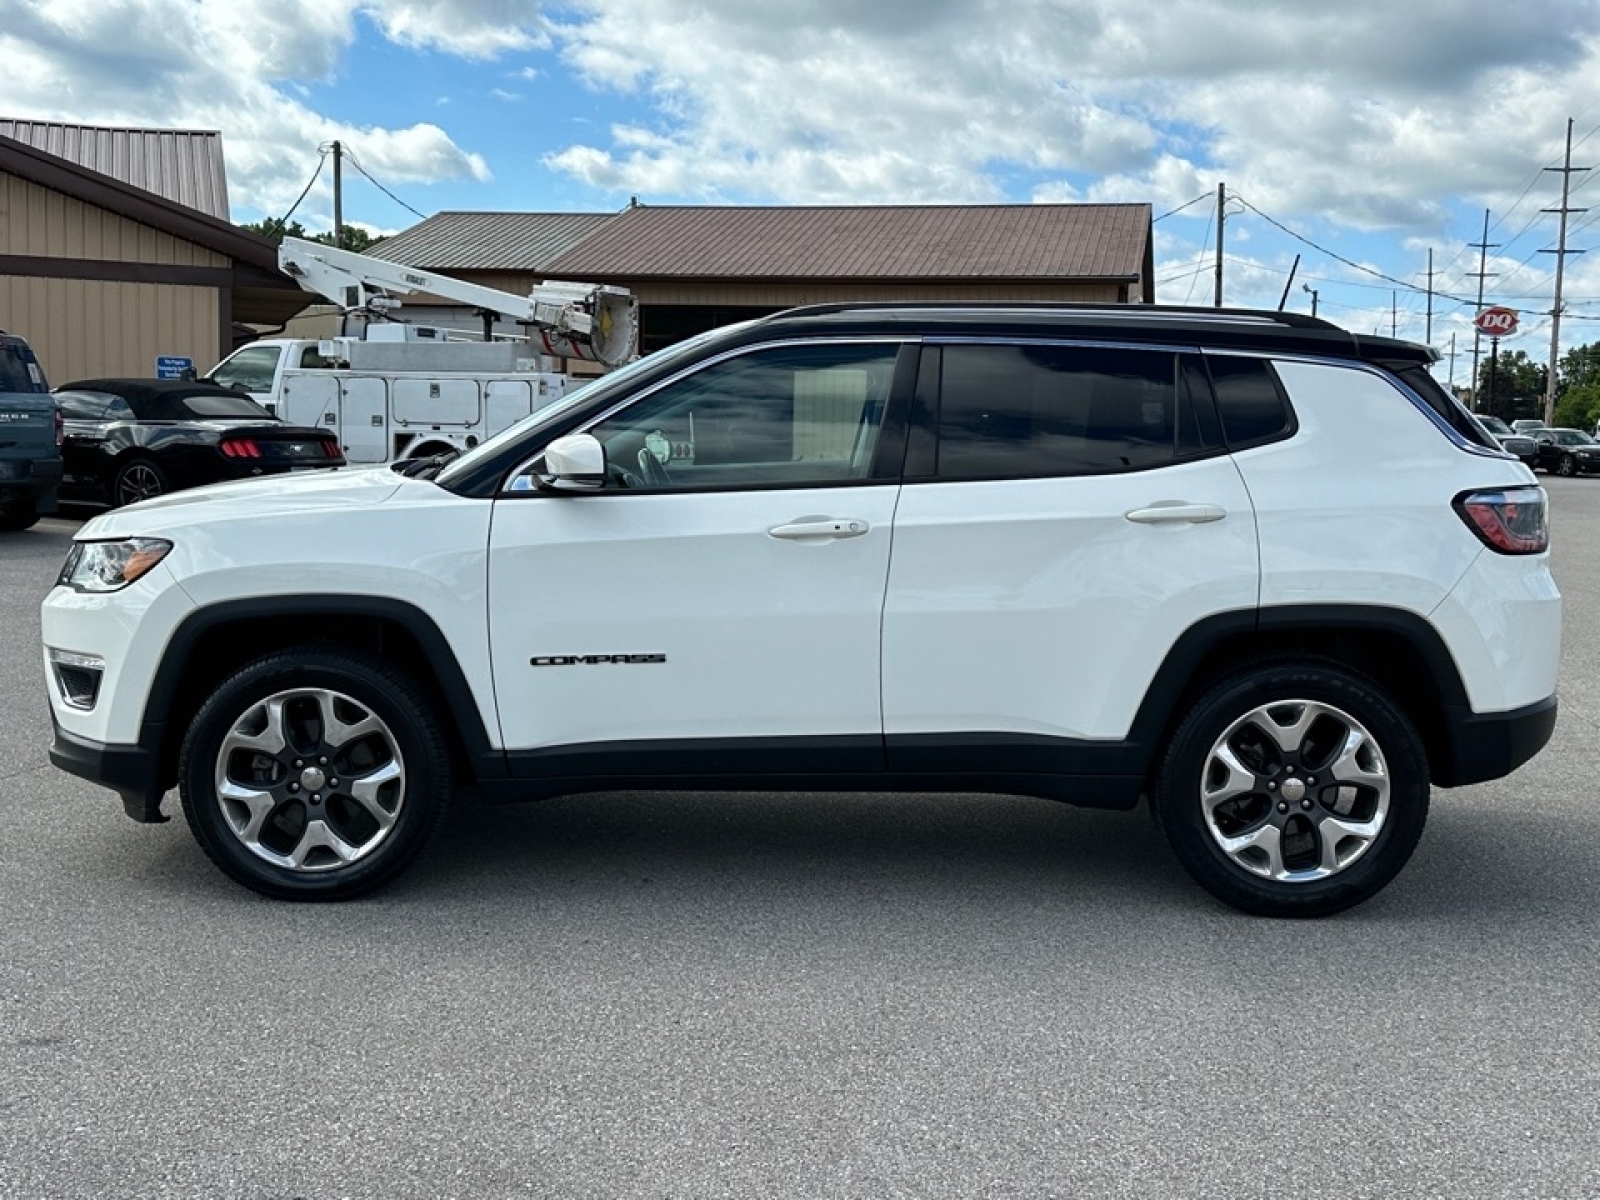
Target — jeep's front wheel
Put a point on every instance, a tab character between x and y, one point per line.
1293	790
314	774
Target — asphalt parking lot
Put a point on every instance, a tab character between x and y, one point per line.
785	995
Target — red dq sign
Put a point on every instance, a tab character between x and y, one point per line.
1496	322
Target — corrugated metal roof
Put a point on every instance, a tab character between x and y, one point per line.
1011	241
489	241
181	165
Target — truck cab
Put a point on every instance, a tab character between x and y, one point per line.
30	438
258	368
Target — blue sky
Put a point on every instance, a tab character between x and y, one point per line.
1372	130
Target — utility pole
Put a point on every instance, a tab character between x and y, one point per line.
1313	291
1394	314
1477	337
338	197
1452	362
1428	337
1222	212
1561	253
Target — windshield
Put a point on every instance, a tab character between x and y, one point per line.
587	391
1573	437
1493	424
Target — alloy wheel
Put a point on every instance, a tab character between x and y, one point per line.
310	780
138	481
1295	791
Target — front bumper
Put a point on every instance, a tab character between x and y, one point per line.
130	771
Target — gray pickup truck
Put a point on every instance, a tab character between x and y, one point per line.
30	438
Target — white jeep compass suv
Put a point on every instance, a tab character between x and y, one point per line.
1260	571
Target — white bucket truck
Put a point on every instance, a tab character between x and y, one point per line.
408	391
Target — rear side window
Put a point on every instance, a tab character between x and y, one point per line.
1008	412
1416	377
18	370
1249	400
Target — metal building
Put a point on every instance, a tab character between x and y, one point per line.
694	268
108	263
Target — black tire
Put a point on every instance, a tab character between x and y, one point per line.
1567	466
17	515
1213	812
341	713
138	478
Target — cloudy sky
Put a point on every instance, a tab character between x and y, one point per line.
1360	135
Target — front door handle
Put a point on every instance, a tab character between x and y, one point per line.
820	527
1175	512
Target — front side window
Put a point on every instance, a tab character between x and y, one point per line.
1008	412
790	415
251	369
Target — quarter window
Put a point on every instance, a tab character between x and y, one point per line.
1249	400
1008	412
789	415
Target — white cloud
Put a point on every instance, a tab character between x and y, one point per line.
242	66
1371	112
472	28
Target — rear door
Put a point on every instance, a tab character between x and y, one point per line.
1068	512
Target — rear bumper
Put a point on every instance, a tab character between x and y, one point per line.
1485	746
130	771
33	479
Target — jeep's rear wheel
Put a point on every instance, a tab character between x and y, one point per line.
1293	790
314	774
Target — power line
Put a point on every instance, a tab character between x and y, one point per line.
1410	287
1181	207
283	221
1216	215
356	163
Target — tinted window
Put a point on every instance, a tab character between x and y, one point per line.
18	371
1416	377
799	414
212	407
1014	411
1248	398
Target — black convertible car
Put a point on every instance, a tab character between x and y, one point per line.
130	439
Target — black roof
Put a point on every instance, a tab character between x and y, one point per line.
1229	328
150	389
165	399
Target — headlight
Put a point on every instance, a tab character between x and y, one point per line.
107	566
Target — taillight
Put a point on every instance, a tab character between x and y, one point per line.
1510	520
241	447
330	449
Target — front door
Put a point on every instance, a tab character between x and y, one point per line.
715	607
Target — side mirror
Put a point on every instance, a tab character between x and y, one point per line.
575	463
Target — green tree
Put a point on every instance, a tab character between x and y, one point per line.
1511	385
354	237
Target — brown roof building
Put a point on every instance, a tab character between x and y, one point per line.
103	276
693	268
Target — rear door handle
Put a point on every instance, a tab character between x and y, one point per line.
1175	512
820	527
